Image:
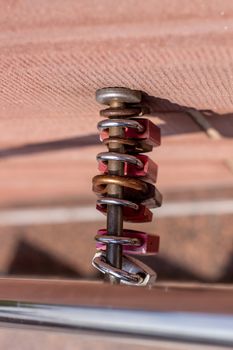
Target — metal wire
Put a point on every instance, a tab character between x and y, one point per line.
117	201
125	158
100	263
122	123
106	239
101	181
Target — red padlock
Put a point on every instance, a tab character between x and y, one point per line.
151	132
148	244
148	171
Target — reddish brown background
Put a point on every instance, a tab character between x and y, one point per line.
53	56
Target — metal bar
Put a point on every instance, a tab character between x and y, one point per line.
200	119
185	326
114	212
177	297
197	313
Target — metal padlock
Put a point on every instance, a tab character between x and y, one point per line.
134	165
133	272
133	242
139	128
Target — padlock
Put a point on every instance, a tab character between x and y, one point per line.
134	165
133	242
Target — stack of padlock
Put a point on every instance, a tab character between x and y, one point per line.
125	188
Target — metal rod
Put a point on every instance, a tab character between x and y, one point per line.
118	99
195	328
115	212
200	313
172	297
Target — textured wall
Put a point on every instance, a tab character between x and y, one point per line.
54	55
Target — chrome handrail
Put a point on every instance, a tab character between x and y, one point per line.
66	311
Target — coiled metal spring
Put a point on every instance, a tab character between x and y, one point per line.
124	188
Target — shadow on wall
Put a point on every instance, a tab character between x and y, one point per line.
29	260
181	123
51	146
167	270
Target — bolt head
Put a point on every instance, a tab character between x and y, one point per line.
120	94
